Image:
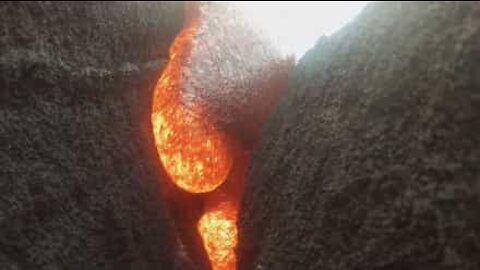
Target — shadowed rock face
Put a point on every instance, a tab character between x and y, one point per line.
79	178
371	160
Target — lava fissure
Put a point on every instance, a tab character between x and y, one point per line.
206	113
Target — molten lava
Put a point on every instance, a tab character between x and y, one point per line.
193	151
218	230
220	84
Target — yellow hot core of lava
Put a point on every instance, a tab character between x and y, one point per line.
218	230
192	150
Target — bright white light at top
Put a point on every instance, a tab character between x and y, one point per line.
295	26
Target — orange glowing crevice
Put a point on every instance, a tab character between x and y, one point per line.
218	230
202	89
193	151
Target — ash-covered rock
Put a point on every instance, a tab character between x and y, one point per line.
371	160
79	178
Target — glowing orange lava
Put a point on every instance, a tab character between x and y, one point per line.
217	76
218	230
192	150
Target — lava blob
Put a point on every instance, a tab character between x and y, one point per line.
219	233
220	84
193	151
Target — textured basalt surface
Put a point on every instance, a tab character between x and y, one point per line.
79	177
371	160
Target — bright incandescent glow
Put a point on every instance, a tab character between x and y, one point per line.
192	150
218	230
295	26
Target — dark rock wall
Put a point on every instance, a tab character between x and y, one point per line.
79	175
371	160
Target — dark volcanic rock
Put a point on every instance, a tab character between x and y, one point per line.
371	160
79	172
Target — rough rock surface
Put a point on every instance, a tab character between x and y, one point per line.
79	173
372	159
